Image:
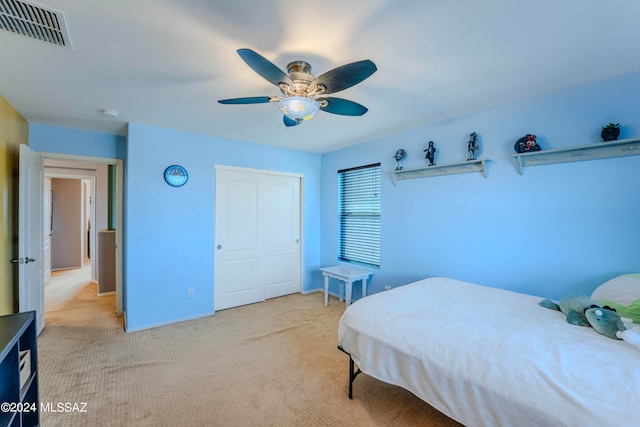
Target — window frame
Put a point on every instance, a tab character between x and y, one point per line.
359	214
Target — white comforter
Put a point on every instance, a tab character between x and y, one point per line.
491	357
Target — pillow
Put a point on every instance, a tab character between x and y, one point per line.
623	289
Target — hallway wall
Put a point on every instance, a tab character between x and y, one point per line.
66	239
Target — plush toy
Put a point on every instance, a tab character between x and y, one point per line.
630	315
605	321
584	311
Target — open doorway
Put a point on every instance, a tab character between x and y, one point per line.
69	244
82	202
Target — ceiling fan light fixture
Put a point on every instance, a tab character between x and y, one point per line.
299	108
304	94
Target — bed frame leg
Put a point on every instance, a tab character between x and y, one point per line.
352	373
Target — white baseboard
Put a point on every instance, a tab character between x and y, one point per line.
311	291
101	294
168	322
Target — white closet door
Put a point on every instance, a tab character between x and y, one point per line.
257	231
282	266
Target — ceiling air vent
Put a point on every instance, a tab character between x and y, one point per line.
34	21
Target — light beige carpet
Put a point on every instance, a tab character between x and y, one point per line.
268	364
64	284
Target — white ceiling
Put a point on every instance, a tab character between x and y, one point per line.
165	63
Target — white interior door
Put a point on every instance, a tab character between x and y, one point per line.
282	251
237	255
257	237
30	238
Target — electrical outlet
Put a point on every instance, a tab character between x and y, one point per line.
191	292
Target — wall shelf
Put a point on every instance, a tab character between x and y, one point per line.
479	165
599	150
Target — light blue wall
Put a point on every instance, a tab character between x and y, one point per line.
555	230
53	139
170	231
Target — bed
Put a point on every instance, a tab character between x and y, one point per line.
491	357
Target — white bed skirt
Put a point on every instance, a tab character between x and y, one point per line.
491	357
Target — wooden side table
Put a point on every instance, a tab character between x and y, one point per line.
347	275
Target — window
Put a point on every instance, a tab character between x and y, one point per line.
359	206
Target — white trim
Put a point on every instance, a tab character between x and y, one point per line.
167	322
54	172
79	158
253	170
301	272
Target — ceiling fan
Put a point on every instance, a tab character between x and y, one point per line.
304	94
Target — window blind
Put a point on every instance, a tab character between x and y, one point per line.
359	210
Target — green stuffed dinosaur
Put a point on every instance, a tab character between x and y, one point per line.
584	311
631	311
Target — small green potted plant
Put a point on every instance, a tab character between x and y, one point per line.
610	132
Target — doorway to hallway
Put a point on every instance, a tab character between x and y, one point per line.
101	204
